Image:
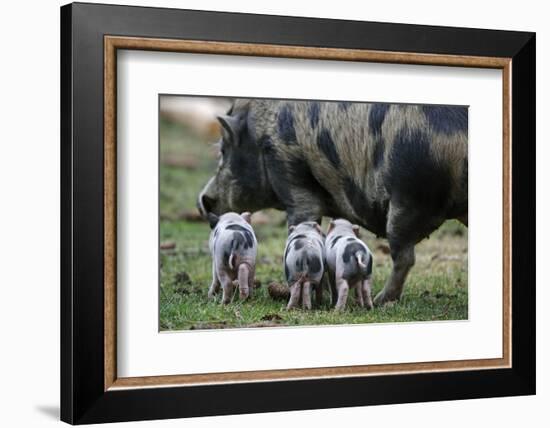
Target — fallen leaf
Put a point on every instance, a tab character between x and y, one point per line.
278	291
167	245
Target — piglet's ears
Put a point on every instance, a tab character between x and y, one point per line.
330	226
356	230
247	216
318	228
291	228
212	220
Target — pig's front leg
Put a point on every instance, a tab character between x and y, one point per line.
215	285
403	260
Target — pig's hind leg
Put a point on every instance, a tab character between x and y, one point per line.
319	290
343	290
215	285
331	280
244	281
359	293
227	287
295	291
366	291
306	295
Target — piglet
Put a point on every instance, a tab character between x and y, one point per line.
233	246
304	263
349	263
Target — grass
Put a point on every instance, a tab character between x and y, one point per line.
437	286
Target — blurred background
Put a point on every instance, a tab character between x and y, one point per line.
437	287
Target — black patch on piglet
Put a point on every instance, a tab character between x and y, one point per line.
297	237
314	263
369	266
238	241
298	244
350	251
249	239
334	241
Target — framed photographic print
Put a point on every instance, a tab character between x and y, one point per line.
308	213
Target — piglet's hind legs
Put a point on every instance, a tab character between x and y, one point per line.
243	279
367	294
343	290
215	285
295	290
306	295
227	287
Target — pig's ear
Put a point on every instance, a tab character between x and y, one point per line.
318	228
231	127
212	219
356	230
330	226
247	216
291	229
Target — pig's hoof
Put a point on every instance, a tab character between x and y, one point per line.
383	298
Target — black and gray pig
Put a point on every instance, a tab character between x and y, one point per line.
398	170
304	264
233	247
349	263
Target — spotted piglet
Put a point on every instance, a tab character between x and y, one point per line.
233	246
349	263
303	262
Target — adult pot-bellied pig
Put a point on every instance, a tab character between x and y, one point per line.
233	246
398	170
